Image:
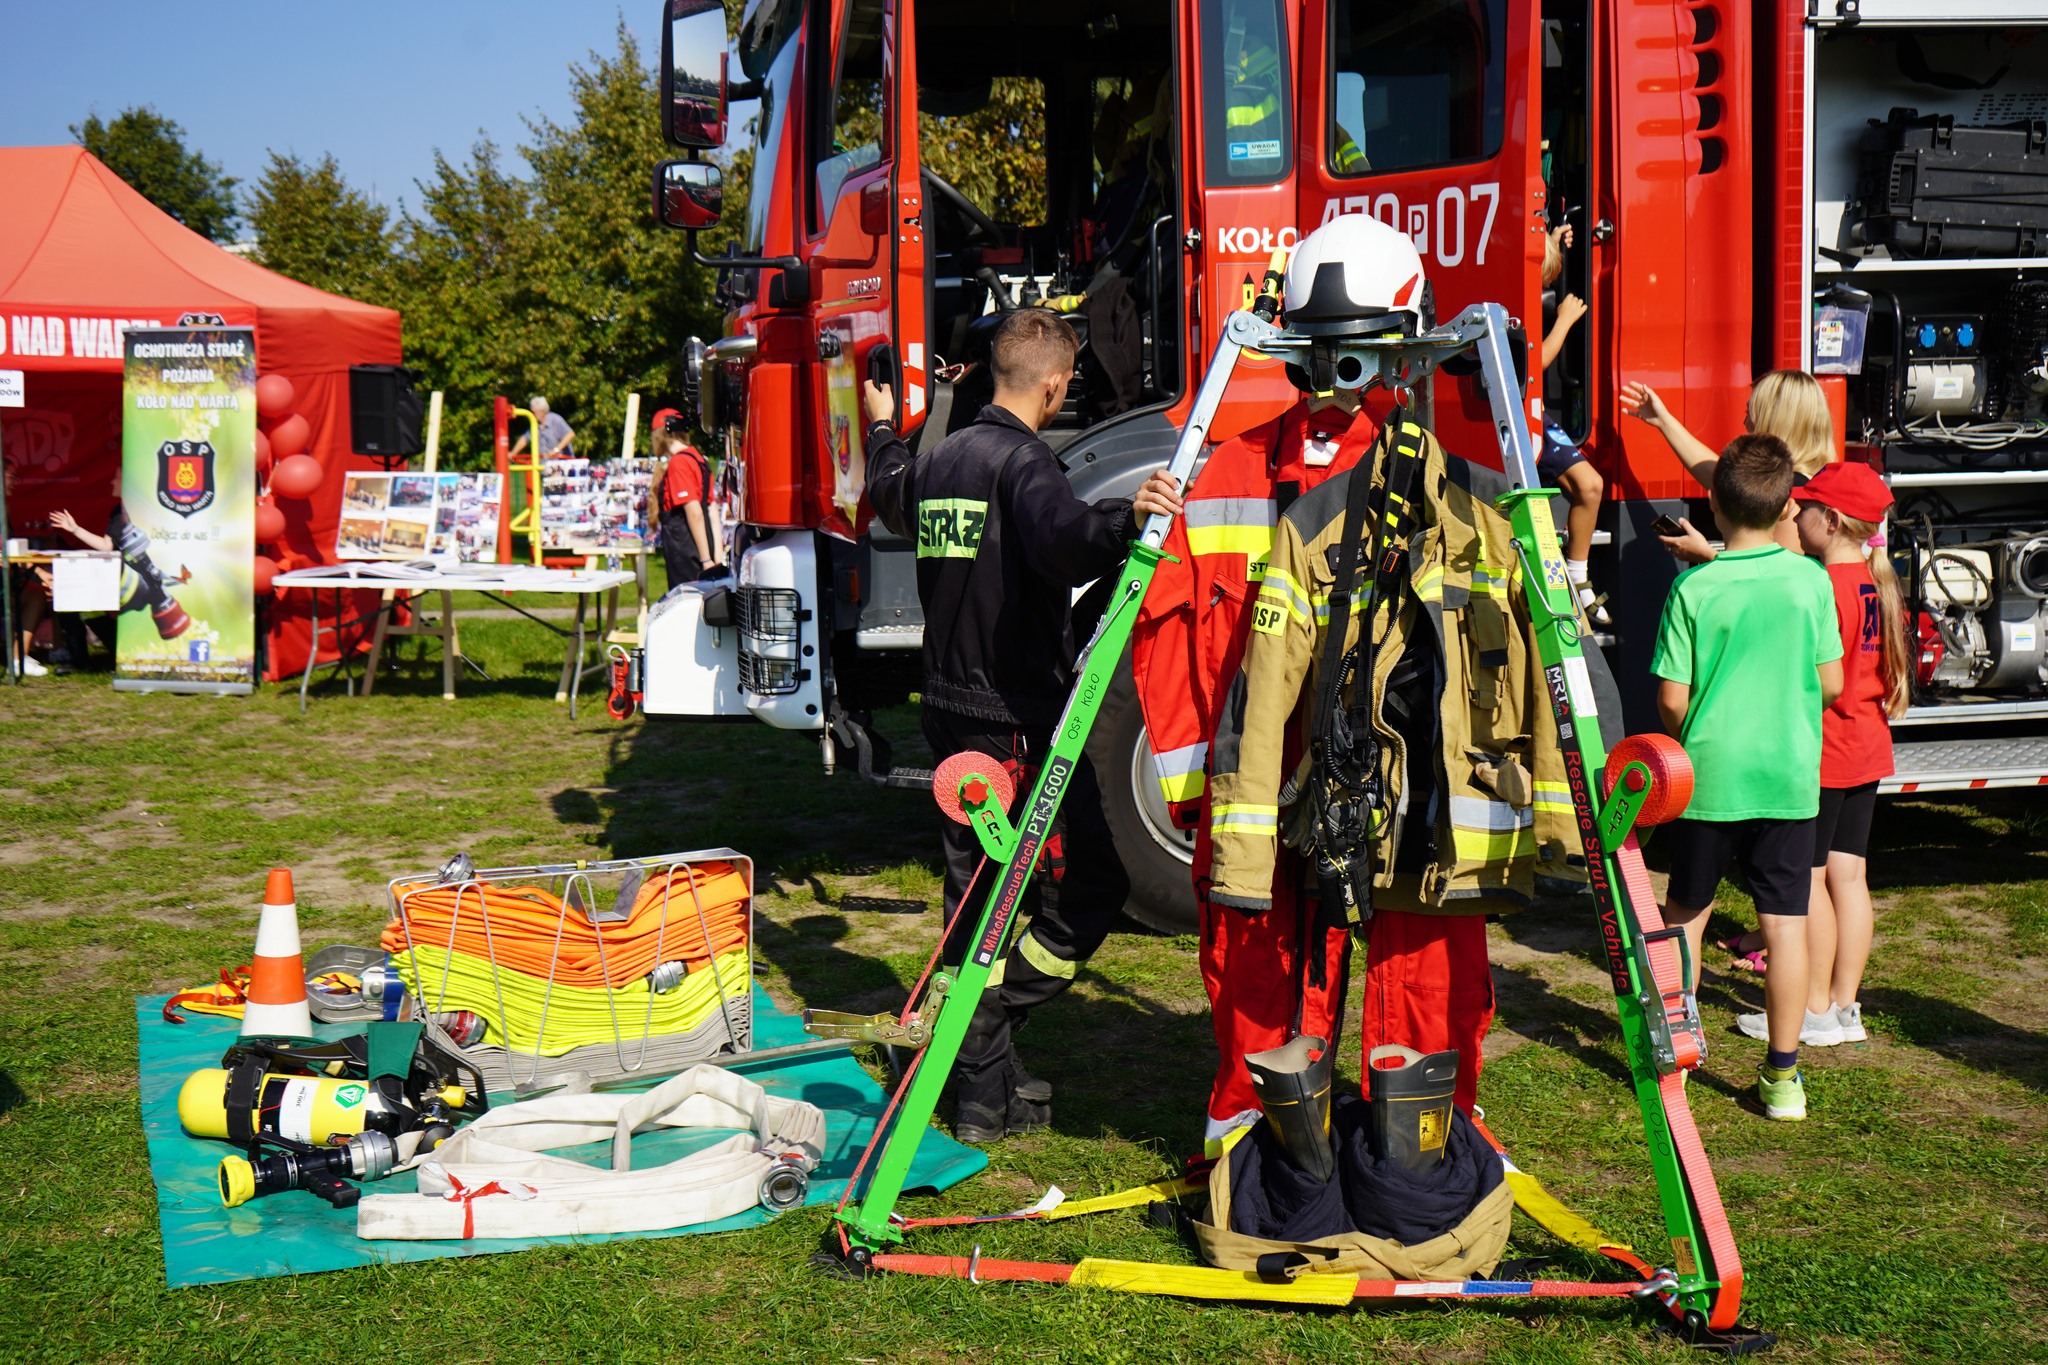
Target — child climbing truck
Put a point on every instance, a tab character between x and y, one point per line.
1747	658
1562	462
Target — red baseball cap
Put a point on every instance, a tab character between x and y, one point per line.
662	415
1854	490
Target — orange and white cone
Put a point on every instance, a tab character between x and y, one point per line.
277	977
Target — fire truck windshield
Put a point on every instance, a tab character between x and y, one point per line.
1417	83
776	85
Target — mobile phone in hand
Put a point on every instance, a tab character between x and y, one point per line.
1665	526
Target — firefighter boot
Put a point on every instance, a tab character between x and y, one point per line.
991	1107
996	1097
1411	1105
1295	1093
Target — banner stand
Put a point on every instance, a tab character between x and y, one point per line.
186	524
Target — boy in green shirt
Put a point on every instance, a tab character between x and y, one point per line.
1748	657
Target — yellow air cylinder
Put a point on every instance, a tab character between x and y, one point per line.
322	1110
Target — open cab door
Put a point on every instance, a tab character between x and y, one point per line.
1424	114
865	237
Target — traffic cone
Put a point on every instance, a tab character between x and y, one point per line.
277	978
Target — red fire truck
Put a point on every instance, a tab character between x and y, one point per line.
1856	187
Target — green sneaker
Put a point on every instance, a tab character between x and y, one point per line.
1784	1097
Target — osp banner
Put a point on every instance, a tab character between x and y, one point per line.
186	526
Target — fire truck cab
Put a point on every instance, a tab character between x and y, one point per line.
1688	145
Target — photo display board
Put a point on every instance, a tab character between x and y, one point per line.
420	516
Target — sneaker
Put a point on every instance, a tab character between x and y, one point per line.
1850	1018
1818	1030
30	668
1784	1098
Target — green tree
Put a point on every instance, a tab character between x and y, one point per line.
460	277
148	151
614	291
312	225
995	155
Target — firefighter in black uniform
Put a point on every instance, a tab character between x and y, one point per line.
1002	542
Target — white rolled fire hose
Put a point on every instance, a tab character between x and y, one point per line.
492	1179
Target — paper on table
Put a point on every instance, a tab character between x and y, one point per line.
85	582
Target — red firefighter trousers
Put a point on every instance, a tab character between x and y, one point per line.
1428	986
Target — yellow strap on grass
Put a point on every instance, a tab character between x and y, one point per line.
1203	1282
1560	1222
1123	1199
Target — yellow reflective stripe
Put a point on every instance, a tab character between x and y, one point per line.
1034	951
1244	818
1483	579
1205	1282
1553	796
1180	772
1279	585
1485	813
996	973
1492	846
1253	542
1429	585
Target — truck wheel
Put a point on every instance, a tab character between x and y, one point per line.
1155	854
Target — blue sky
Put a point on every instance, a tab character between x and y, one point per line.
379	84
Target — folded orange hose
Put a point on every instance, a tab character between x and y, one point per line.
527	929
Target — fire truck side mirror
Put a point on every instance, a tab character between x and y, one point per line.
693	64
688	194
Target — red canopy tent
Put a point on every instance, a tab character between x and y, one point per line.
83	256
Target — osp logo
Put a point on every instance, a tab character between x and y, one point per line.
1255	241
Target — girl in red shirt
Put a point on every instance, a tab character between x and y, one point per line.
1841	509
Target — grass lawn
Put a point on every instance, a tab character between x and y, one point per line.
1904	1222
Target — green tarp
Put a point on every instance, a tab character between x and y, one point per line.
296	1233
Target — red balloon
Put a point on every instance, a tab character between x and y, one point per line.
273	395
266	574
269	523
298	476
262	451
290	436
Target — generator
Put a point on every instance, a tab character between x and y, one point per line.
1981	610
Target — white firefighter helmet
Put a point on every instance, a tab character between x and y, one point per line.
1354	276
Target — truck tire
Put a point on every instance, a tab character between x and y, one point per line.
1155	854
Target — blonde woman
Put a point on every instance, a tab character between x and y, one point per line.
1787	404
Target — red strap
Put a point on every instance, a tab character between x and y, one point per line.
1685	1134
468	1197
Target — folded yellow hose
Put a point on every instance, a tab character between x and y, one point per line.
576	1015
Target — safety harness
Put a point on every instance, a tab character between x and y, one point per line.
1345	790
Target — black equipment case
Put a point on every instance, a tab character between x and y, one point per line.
1935	189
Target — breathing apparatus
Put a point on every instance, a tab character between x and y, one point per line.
1353	286
329	1112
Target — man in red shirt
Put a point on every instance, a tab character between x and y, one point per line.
687	545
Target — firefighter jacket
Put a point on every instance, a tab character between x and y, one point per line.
1001	543
1191	629
1475	796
